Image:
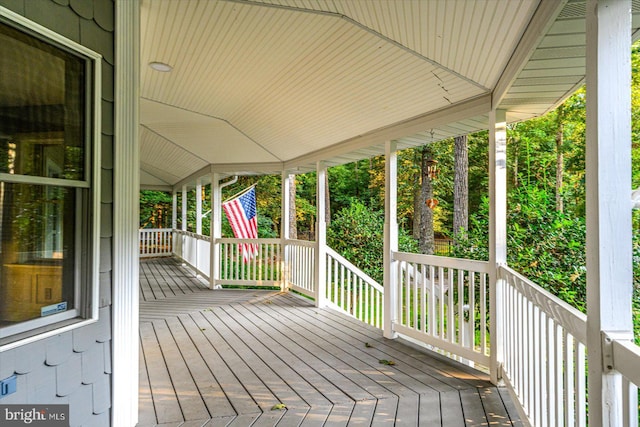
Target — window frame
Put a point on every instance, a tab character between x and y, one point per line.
86	283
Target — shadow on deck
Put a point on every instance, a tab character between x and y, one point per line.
263	358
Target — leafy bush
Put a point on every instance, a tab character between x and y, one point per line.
357	232
544	245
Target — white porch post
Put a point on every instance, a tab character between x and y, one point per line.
184	208
126	188
215	229
321	236
497	231
174	210
609	251
199	206
284	229
390	238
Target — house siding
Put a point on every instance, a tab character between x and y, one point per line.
75	367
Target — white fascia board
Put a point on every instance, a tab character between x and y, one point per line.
460	111
543	18
191	179
165	188
248	168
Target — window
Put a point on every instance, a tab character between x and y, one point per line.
48	180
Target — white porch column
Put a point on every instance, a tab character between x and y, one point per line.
321	236
609	251
215	229
199	206
174	210
184	208
284	228
390	239
497	231
126	200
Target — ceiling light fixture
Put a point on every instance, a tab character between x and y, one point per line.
160	66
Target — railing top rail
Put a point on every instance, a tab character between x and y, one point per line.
305	243
626	359
570	318
355	270
440	261
154	230
194	235
254	241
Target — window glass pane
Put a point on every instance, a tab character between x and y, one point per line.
37	250
42	108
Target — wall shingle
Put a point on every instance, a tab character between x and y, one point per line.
69	375
59	349
29	357
57	18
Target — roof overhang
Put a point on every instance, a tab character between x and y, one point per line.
266	86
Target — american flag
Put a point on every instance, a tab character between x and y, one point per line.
242	215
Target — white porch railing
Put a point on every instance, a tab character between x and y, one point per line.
352	291
544	342
155	242
444	302
626	356
262	269
300	256
194	249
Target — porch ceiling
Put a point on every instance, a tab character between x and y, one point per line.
284	83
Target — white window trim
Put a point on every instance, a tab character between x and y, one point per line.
89	299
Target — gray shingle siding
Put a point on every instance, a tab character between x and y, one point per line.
75	367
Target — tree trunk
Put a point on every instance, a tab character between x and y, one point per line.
461	188
417	209
559	159
427	240
293	223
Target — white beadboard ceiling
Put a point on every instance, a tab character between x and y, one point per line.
291	82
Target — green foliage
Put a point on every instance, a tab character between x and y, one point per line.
544	245
155	209
356	232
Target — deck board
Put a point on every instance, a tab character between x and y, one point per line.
224	358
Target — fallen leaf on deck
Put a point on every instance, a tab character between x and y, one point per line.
387	362
278	407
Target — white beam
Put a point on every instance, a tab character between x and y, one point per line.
205	171
608	176
174	210
199	206
390	238
165	188
215	229
284	227
497	230
126	200
321	236
184	208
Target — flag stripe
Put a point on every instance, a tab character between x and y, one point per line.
243	218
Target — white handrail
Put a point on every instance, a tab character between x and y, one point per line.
263	268
444	303
544	352
155	242
300	257
351	291
571	319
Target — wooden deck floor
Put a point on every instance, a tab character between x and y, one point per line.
262	358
